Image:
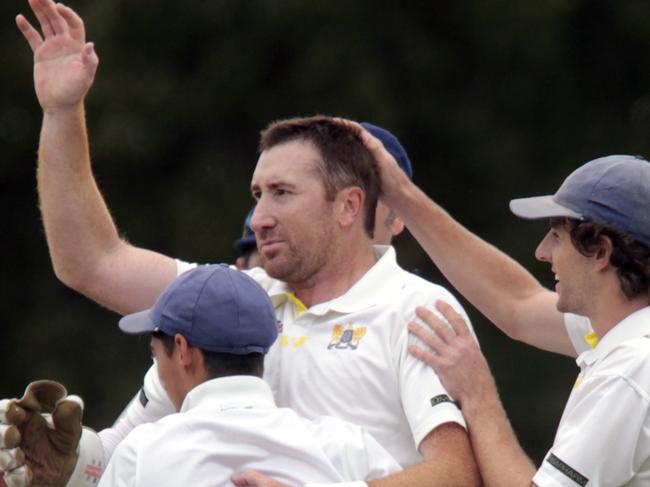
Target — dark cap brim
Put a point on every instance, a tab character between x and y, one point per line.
137	323
541	207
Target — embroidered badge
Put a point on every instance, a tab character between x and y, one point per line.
346	336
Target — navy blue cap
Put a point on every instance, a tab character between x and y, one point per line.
613	191
392	145
247	241
215	308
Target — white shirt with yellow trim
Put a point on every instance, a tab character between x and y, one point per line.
231	424
604	434
348	357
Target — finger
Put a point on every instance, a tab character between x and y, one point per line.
19	477
428	337
9	436
50	13
75	24
252	478
425	356
66	419
456	321
440	327
33	37
39	7
42	395
11	459
14	414
89	57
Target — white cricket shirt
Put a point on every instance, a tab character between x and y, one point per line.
348	357
231	424
604	434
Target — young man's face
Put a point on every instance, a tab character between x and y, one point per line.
295	226
574	279
168	372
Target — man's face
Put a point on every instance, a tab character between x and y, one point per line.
294	224
168	372
574	279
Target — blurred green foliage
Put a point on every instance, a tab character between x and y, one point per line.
492	99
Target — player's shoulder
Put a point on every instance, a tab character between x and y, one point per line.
416	288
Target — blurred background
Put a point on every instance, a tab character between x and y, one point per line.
492	99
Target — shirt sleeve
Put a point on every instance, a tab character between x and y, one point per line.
182	266
121	470
354	452
602	440
426	402
150	404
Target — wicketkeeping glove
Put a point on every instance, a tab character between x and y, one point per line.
43	442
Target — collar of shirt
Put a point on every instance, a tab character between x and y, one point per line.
376	286
235	392
633	326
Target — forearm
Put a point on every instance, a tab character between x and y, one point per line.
448	461
500	458
78	225
503	290
86	250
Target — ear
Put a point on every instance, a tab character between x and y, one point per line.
350	205
184	351
604	253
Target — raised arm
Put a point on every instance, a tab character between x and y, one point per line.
505	292
86	250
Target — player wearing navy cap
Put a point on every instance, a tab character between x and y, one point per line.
210	330
598	247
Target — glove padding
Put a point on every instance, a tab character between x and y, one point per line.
49	429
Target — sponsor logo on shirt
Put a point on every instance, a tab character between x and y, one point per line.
574	475
346	336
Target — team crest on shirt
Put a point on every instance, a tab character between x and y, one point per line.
346	336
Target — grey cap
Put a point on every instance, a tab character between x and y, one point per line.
612	190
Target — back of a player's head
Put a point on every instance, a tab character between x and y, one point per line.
345	160
218	310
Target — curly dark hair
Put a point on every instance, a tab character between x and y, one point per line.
631	258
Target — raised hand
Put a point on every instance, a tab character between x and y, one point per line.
64	63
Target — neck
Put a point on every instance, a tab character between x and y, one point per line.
611	314
335	279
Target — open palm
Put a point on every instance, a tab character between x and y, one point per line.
64	64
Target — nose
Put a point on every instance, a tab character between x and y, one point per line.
261	217
543	250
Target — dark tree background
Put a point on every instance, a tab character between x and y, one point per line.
492	99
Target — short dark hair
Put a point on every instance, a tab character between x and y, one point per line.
220	364
631	258
346	161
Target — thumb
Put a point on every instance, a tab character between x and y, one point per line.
89	57
66	418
